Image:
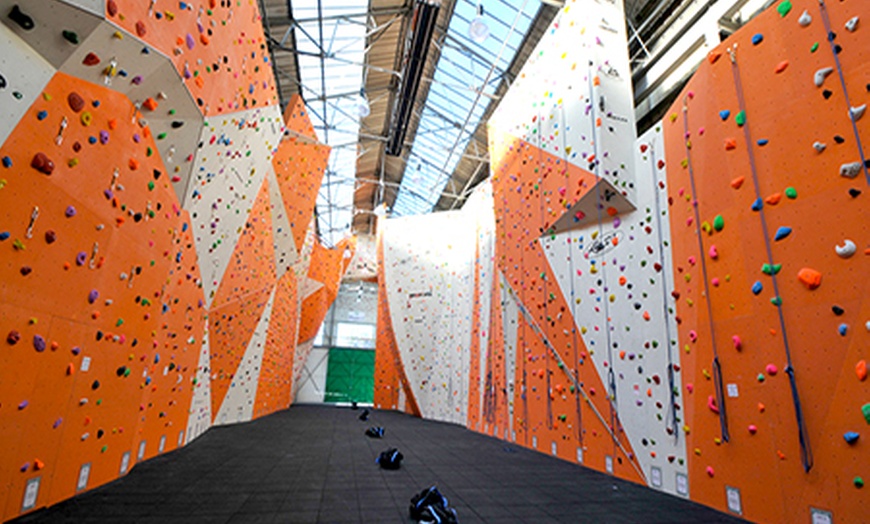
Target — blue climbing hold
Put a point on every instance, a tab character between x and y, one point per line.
850	437
843	329
757	287
4	235
724	114
42	115
762	142
92	140
782	233
757	38
7	162
758	204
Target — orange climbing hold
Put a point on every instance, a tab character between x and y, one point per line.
737	183
150	104
780	67
810	278
774	199
730	144
861	370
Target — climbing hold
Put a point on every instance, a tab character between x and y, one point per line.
851	437
738	344
843	329
820	75
805	19
141	30
762	142
857	112
38	343
757	287
737	183
714	253
112	7
791	193
781	233
710	471
7	162
711	404
810	278
852	24
757	38
861	370
771	370
71	37
753	429
724	114
718	223
771	269
846	250
91	59
819	146
730	144
865	410
758	204
740	118
850	170
20	18
70	212
75	101
783	8
773	199
92	296
42	164
858	482
13	337
837	310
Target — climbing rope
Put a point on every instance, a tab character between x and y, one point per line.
830	37
543	275
717	366
672	408
803	436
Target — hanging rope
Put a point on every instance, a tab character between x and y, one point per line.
543	275
806	451
830	36
672	407
717	366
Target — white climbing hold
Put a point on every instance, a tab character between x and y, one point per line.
850	170
821	74
819	146
852	24
805	19
846	250
857	112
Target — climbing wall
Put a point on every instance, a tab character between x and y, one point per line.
156	241
767	176
429	279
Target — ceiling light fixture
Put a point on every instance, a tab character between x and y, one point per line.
362	104
478	30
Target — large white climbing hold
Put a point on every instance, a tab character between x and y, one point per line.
857	112
852	24
821	74
846	250
805	19
819	146
850	170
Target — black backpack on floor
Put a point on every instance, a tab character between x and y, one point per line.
375	432
390	459
430	506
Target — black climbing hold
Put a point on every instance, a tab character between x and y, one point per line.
100	433
838	49
17	16
867	163
95	385
137	217
157	174
71	37
176	124
832	36
854	192
838	139
3	82
827	93
99	335
121	370
837	310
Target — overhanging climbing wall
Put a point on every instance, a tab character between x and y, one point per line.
155	212
694	319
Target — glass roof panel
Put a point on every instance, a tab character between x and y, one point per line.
330	87
461	72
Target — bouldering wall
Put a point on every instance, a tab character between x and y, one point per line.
685	309
155	231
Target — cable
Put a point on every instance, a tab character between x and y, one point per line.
806	451
717	366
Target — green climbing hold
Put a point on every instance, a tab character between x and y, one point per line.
865	409
740	118
718	223
768	269
760	377
161	136
814	47
783	8
858	482
791	192
149	151
151	185
71	37
776	301
119	323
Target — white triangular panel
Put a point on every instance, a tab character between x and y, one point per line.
199	418
282	236
25	73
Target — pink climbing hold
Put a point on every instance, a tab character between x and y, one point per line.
771	369
693	335
714	253
710	471
753	429
711	404
738	344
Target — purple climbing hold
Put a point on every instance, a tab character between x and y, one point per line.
108	194
23	405
189	41
92	296
104	137
81	258
38	343
70	212
57	423
76	350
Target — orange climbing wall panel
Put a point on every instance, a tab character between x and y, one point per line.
90	277
276	371
296	118
299	167
801	189
327	267
212	44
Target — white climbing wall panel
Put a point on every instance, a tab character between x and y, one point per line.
285	248
238	404
429	271
200	404
637	345
24	74
229	169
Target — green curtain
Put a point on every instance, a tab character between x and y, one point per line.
350	375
